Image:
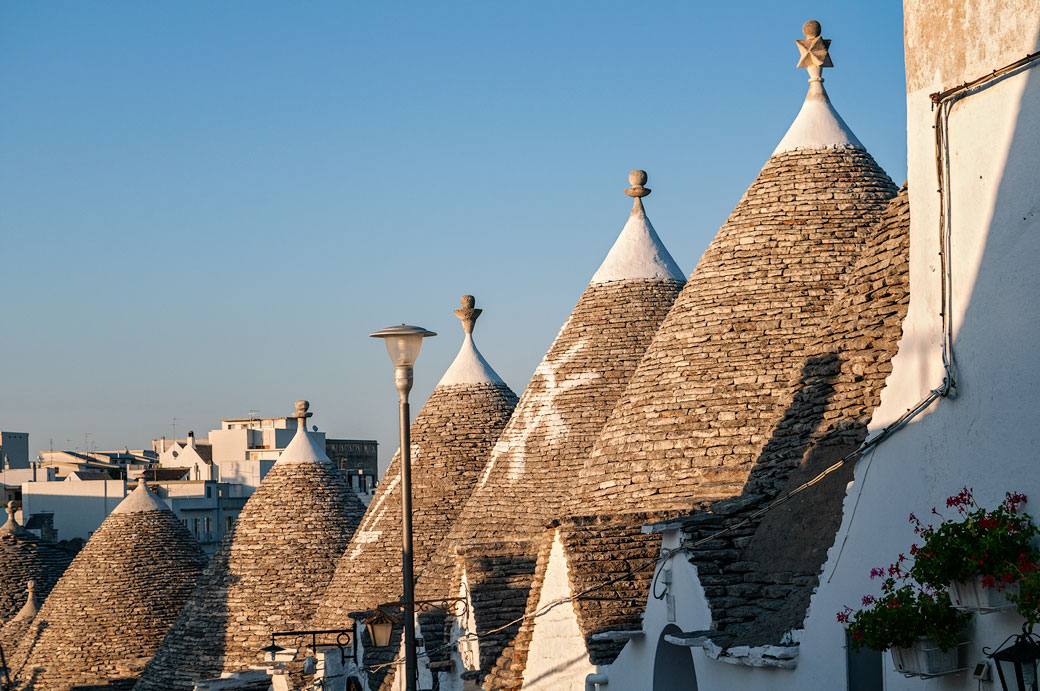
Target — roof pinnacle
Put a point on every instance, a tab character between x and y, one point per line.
814	51
637	178
301	414
468	314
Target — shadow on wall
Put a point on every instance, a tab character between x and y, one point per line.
995	342
775	562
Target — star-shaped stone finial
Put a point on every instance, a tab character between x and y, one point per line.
468	314
814	51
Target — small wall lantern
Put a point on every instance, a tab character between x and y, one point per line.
380	628
1016	663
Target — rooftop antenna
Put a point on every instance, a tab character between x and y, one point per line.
174	429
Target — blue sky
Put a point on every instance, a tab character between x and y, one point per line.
206	207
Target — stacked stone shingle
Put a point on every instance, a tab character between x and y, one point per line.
113	605
451	438
527	480
758	579
600	552
23	558
269	573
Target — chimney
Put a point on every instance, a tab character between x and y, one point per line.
191	439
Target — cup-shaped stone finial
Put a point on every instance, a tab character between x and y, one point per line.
302	410
468	313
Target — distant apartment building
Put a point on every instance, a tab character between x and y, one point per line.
117	464
244	449
358	458
14	450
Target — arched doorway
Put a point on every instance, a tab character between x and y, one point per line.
673	665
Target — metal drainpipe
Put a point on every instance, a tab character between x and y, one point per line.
596	680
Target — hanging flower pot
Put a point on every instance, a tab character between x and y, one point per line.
979	554
980	595
925	659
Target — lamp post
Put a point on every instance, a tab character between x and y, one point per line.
403	343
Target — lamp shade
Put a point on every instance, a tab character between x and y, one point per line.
380	629
1016	663
403	343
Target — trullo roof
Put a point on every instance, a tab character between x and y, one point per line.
107	615
269	572
451	438
529	474
23	558
690	424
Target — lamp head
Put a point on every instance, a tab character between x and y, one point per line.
380	629
403	343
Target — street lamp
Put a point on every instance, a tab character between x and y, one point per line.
403	343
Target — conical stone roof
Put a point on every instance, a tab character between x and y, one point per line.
451	438
690	424
527	479
23	558
115	602
269	573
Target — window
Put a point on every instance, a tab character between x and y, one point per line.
209	524
230	520
196	527
209	493
863	668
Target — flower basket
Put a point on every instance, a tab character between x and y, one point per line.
972	596
925	659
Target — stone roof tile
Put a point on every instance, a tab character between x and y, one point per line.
451	438
268	574
113	605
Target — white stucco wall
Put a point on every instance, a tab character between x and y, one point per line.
79	508
557	658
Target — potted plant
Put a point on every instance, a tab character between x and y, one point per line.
917	624
981	556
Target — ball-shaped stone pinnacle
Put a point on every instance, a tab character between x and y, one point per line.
468	302
637	177
811	29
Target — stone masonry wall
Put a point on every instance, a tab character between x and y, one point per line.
598	550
